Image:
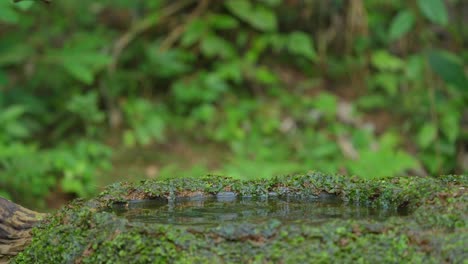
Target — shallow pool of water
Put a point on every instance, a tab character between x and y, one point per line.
228	208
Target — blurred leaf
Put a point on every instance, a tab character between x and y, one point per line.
368	102
427	134
301	44
241	8
15	54
362	138
450	126
434	10
278	42
220	21
213	45
86	106
324	149
84	65
449	68
129	138
170	63
257	47
381	164
401	24
432	161
388	81
231	70
71	184
263	19
205	112
265	76
259	17
7	12
389	140
214	83
146	122
326	103
79	71
13	125
414	67
194	32
383	60
24	5
17	130
11	113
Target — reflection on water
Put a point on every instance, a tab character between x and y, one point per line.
214	210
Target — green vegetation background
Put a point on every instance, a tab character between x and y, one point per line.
92	92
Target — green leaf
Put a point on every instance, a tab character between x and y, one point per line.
263	19
434	10
449	68
414	67
80	71
15	54
326	103
194	32
72	184
301	44
369	102
383	60
259	17
213	45
171	63
230	70
220	21
389	140
84	65
427	134
381	164
401	24
16	130
240	8
24	5
265	76
205	112
450	126
129	138
388	81
86	106
11	113
7	13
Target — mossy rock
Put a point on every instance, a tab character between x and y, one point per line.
436	231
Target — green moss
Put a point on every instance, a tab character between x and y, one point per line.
436	232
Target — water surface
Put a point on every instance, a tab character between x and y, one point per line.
209	211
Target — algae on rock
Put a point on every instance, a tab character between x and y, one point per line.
87	232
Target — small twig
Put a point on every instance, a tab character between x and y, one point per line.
141	26
178	31
123	41
347	148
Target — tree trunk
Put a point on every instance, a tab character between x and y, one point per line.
15	226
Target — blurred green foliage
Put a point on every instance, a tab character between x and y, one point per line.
286	86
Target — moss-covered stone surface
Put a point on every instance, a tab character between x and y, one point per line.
436	232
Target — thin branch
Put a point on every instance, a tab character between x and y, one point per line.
141	26
178	31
